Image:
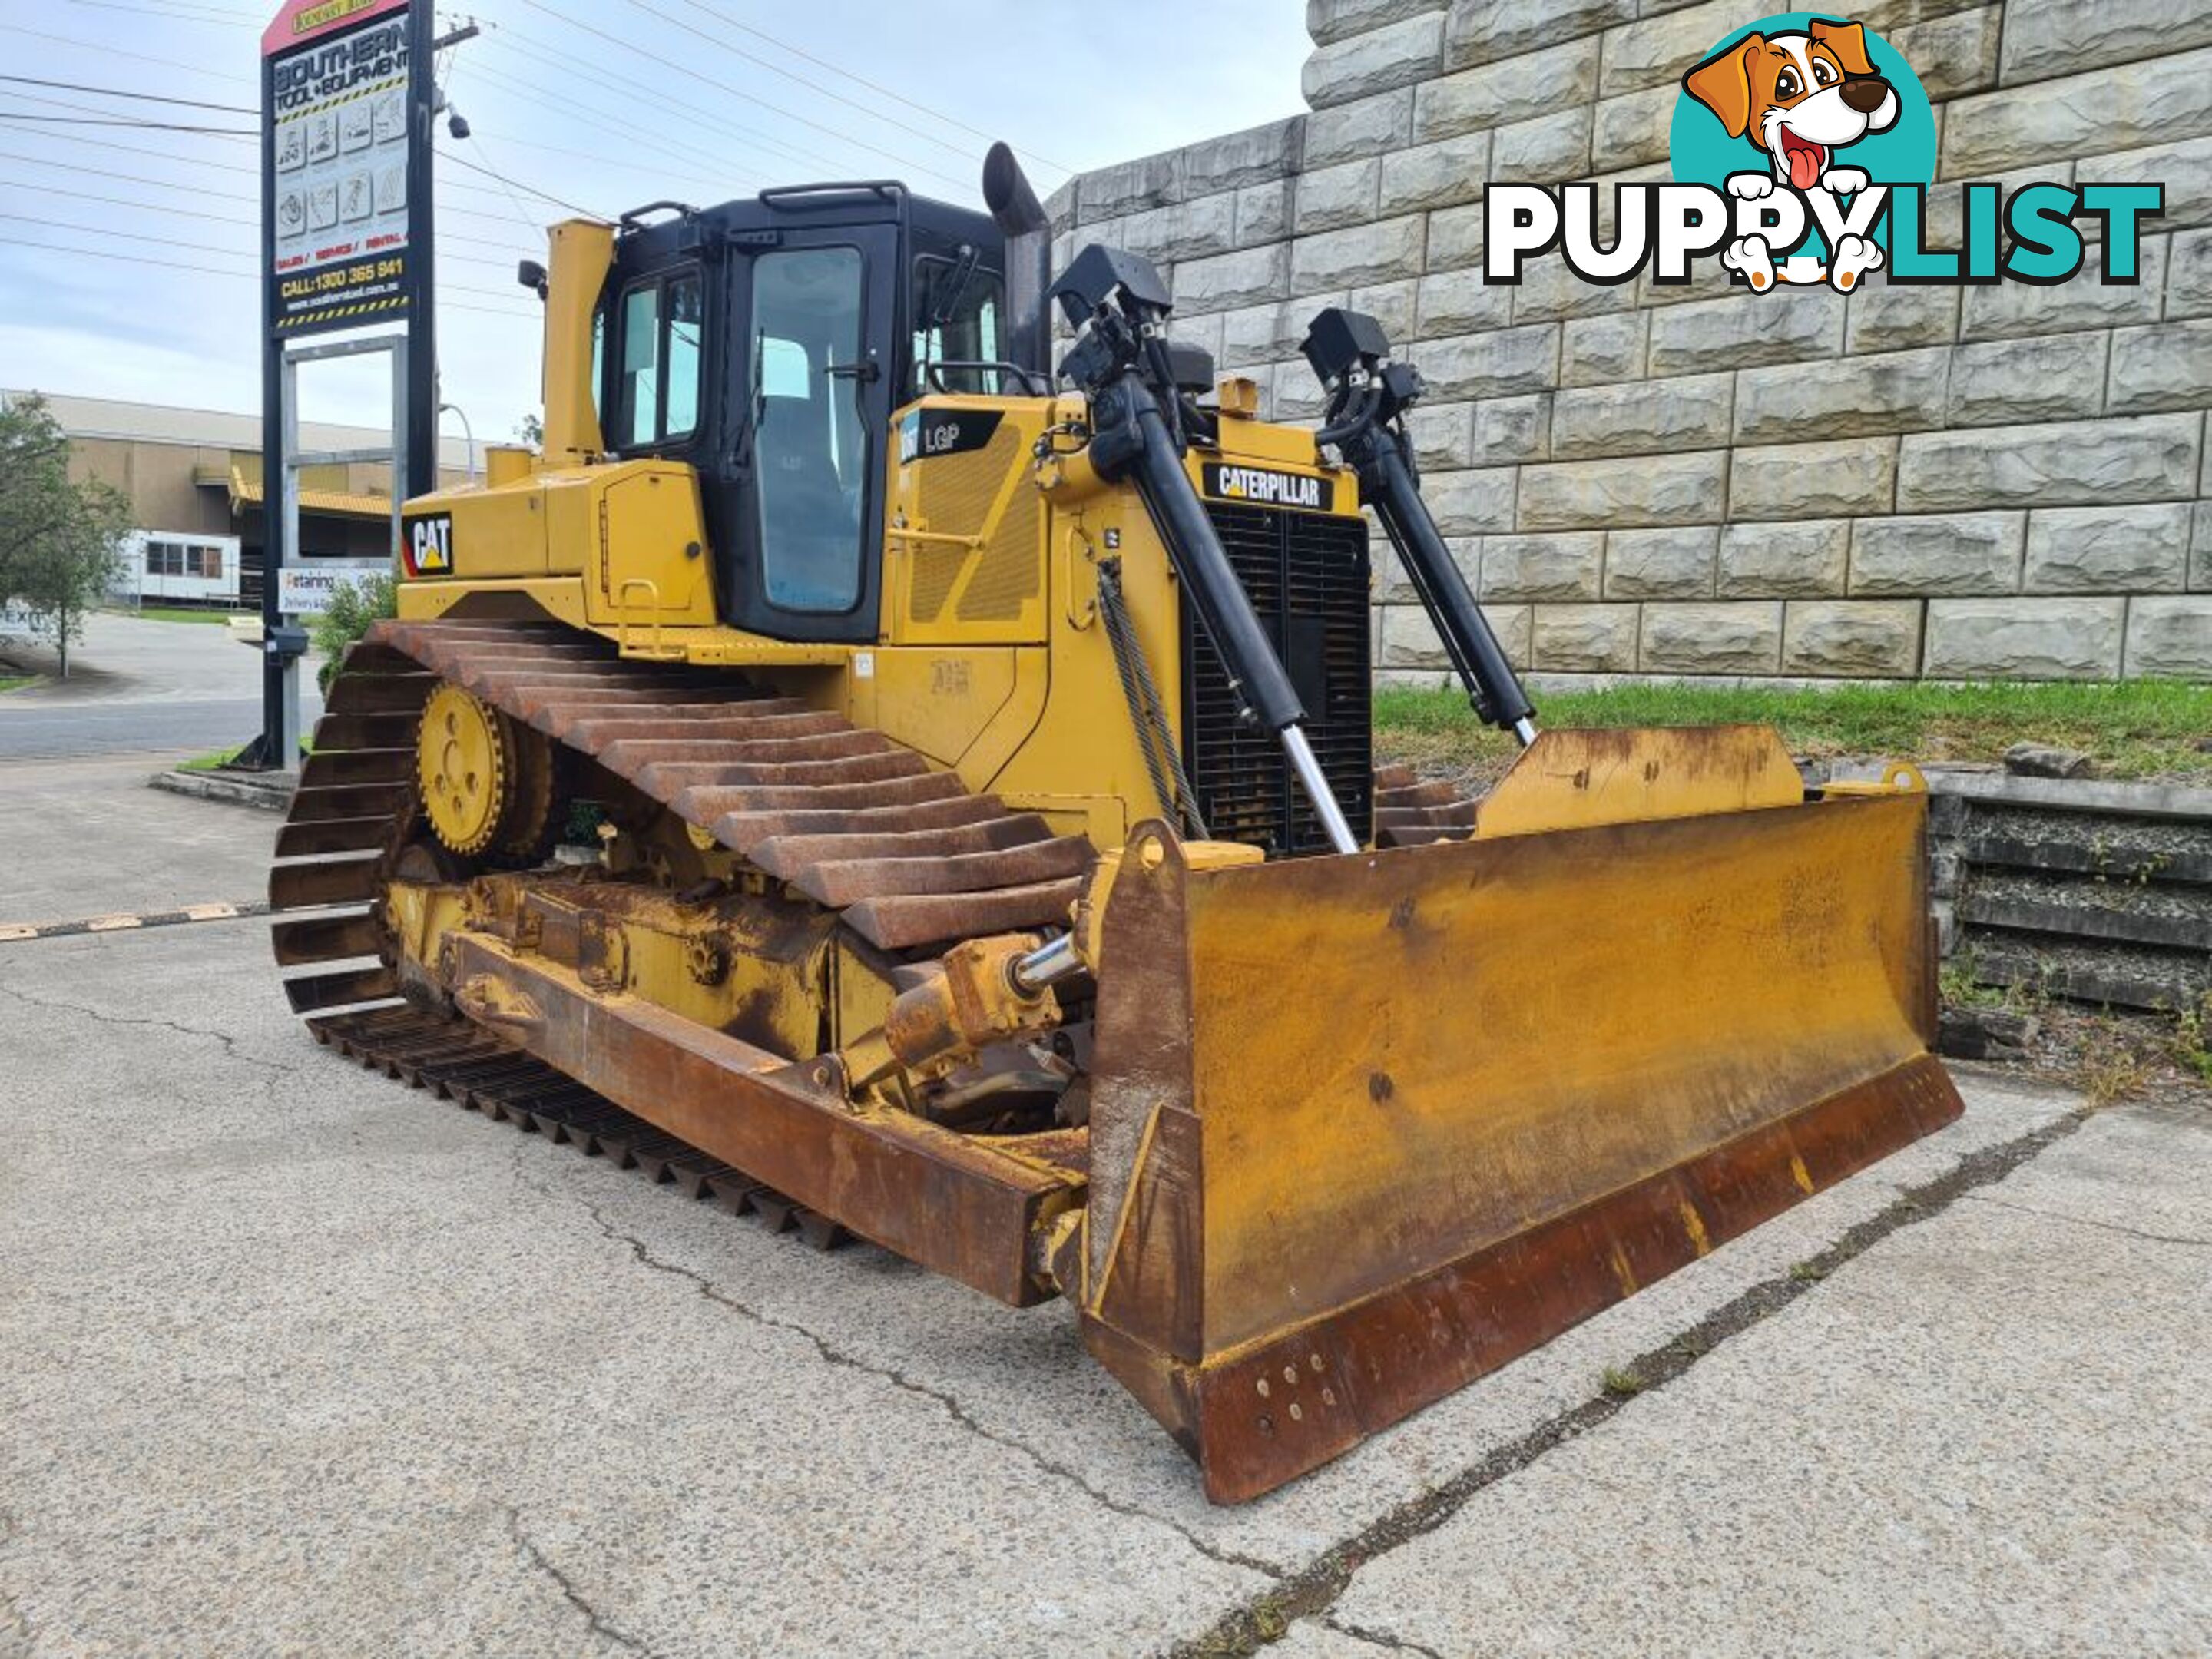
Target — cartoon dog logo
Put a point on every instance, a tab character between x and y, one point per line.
1800	98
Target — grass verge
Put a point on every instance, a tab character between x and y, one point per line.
2135	729
14	682
178	613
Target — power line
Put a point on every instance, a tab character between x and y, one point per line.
519	86
444	234
169	64
793	75
528	190
862	80
216	247
100	121
724	87
241	275
197	14
117	92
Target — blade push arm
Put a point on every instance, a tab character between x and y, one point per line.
1368	396
1120	360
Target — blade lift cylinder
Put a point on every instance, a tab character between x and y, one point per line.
1120	360
1368	396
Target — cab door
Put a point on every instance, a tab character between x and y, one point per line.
811	378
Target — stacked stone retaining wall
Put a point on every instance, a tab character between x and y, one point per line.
1907	481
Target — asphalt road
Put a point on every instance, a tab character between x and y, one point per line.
293	1358
138	688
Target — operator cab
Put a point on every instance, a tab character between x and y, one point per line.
766	342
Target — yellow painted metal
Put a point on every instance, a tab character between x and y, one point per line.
964	542
506	464
1402	1058
1571	779
465	767
582	252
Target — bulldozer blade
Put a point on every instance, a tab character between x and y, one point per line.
1366	1128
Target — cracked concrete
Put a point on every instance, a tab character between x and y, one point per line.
299	1359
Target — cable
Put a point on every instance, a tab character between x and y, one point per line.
241	275
862	80
117	92
216	247
196	14
668	146
444	234
98	121
793	76
169	63
528	190
724	86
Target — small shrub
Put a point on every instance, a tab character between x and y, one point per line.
353	608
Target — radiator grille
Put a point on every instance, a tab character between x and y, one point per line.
1307	575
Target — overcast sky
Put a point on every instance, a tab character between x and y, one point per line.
562	97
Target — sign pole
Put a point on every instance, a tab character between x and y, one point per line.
349	99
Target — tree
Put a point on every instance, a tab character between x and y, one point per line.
530	431
60	541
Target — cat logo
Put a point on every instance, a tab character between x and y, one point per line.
1264	487
427	543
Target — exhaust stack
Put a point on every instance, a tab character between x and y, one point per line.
1015	209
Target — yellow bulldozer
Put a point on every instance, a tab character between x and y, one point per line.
877	775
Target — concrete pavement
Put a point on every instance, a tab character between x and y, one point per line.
293	1358
140	687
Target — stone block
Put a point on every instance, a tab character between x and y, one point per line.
1260	334
1852	397
1150	181
1956	554
1344	133
1813	481
1502	363
1806	558
1709	280
1783	327
1597	351
2141	458
1263	212
2169	367
1202	329
1250	157
1584	638
1654	490
1228	281
2170	639
1396	55
1330	20
1549	292
1523	568
2006	309
1633	129
1483	31
1643	417
1661	564
2047	377
1366	253
1498	94
1657	51
1394	305
1455	238
1510	430
1742	638
2108	550
1868	639
1955	54
2185	168
2023	639
1330	198
2188	276
2153	101
1445	173
1410	640
1297	395
1441	435
2048	38
2200	550
1188	230
1542	151
1475	502
1460	302
1884	316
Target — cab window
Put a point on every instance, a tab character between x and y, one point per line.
956	321
811	436
657	398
